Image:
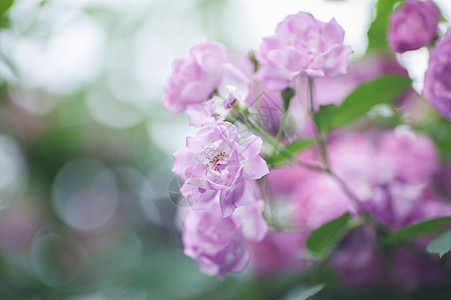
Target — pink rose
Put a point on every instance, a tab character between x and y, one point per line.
437	81
302	46
407	156
194	78
219	244
413	25
319	200
215	167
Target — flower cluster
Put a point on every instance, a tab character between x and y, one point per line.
219	170
263	172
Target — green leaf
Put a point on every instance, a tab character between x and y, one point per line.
418	229
377	33
324	238
383	89
4	6
323	116
439	130
294	148
304	293
441	245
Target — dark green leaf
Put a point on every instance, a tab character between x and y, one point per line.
4	6
383	89
323	116
426	227
441	245
294	148
304	293
439	130
377	33
324	238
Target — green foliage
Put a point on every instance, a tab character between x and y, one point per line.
304	293
439	129
4	6
441	245
383	89
322	240
323	117
422	228
293	148
377	33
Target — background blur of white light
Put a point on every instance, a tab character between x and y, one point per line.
108	110
51	269
11	165
85	195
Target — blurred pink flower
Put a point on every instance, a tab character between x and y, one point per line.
219	244
335	89
281	251
319	200
195	78
302	46
413	25
215	167
437	81
356	258
409	269
407	156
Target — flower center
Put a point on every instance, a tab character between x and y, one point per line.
214	161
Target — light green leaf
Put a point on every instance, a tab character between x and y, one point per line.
4	6
324	238
426	227
304	293
383	89
439	129
377	33
293	148
441	245
323	116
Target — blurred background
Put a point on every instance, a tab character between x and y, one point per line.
88	201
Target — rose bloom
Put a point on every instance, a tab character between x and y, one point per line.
194	78
280	251
215	167
219	244
319	200
413	25
302	46
437	81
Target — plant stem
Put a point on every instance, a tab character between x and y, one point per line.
318	136
266	136
283	123
323	152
